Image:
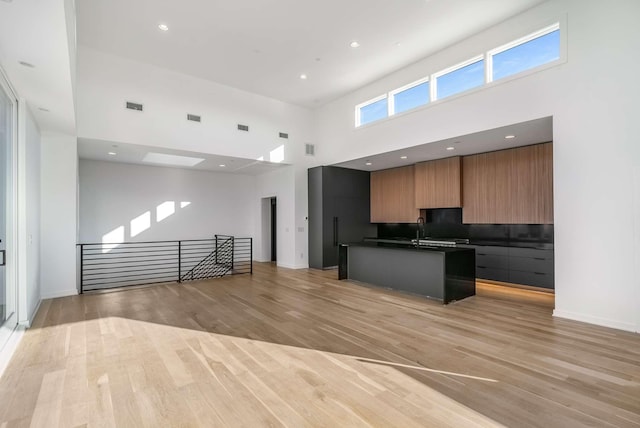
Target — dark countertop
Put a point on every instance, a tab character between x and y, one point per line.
518	244
407	246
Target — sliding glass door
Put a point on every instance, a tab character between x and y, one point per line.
8	109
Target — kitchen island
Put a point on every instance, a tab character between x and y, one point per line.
442	273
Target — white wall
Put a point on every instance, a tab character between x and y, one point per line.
28	215
58	210
106	82
113	194
591	97
279	183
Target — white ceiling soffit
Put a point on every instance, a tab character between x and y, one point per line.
154	156
524	134
264	46
41	33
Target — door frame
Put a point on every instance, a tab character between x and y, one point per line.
9	326
266	226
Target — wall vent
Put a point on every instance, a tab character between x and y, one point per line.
134	106
284	135
243	127
194	118
309	149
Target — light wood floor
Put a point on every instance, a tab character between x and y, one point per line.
299	348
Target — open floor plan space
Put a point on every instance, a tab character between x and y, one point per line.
299	348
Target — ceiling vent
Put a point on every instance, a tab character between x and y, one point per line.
284	135
309	149
134	106
243	127
194	118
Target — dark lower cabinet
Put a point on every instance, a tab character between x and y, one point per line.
525	266
339	212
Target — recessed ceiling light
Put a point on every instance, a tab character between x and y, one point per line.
367	163
508	137
403	157
26	64
354	44
163	27
46	110
112	153
451	148
303	76
222	165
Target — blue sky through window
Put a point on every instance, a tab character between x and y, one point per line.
411	98
528	55
374	111
462	79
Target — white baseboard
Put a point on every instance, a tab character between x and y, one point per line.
32	315
10	347
62	293
286	265
603	322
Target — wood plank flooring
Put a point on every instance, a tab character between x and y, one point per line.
298	348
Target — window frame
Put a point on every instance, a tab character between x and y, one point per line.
487	56
391	103
433	86
515	43
358	116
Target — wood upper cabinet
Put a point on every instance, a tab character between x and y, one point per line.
438	183
478	188
392	196
513	186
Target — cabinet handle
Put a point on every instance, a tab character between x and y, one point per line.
539	273
335	231
481	254
539	258
4	258
481	267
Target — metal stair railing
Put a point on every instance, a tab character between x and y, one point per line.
116	265
215	265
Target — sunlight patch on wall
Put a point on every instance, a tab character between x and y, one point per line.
277	155
184	204
112	239
140	223
164	210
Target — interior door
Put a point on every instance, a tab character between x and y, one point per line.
8	108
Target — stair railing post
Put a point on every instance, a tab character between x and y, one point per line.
251	255
179	261
81	268
216	249
232	252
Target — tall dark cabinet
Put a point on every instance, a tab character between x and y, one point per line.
339	212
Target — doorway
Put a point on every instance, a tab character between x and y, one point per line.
269	229
8	294
274	236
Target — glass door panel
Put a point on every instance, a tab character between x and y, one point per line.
7	259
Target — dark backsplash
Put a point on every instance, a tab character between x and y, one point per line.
449	225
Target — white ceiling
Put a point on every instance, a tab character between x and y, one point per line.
526	133
35	31
263	46
134	154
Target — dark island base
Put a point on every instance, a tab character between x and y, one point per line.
446	274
